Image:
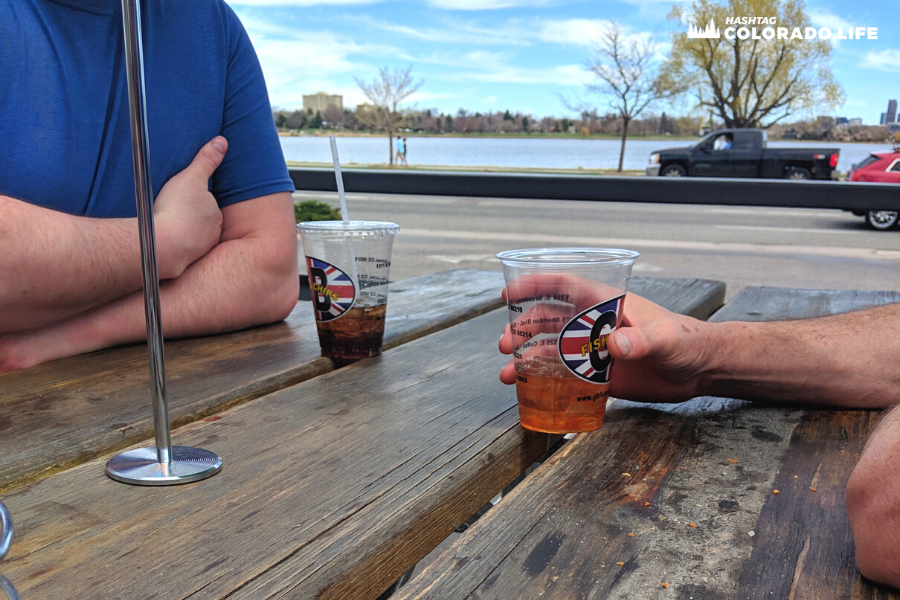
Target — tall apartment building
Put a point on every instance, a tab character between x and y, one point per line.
891	115
319	101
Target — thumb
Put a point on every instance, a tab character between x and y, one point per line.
629	344
209	158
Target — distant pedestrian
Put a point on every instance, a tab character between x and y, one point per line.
401	152
405	148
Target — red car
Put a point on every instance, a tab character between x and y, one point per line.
878	168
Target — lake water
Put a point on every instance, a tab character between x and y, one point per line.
519	152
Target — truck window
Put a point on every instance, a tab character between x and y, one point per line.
723	142
745	140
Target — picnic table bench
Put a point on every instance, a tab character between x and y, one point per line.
678	501
331	488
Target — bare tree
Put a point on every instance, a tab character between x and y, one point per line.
386	91
629	75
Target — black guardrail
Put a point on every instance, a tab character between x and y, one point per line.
687	190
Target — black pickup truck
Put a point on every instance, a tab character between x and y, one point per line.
743	153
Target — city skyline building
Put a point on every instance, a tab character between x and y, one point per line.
320	101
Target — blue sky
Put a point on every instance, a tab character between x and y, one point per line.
519	55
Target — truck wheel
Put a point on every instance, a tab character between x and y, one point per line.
673	171
797	173
882	219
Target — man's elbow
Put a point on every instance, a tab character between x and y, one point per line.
284	283
873	508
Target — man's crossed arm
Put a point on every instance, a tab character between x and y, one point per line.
78	287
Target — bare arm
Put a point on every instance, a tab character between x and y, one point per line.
873	498
844	360
847	360
250	278
54	265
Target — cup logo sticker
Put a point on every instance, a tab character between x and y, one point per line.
333	292
582	342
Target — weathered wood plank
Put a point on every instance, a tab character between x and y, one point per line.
788	304
61	414
64	413
698	298
331	488
712	463
804	548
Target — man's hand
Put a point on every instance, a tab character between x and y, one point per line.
55	265
659	356
187	217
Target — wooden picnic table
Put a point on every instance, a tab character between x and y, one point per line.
331	488
65	413
678	501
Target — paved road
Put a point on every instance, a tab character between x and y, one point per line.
826	249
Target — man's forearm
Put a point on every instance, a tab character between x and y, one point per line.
240	283
847	360
53	265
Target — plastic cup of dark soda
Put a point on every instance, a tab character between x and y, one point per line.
563	305
349	266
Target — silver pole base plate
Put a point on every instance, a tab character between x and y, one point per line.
141	467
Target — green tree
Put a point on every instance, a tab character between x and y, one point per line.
524	123
316	121
508	117
753	83
449	121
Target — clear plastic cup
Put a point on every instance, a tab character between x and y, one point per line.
349	267
563	304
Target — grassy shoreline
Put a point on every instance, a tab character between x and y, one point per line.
473	169
516	135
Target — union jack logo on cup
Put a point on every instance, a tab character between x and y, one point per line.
333	291
582	342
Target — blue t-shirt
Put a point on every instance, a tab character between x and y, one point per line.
65	140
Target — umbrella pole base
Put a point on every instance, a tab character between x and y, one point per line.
141	466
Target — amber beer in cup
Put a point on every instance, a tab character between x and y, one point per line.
348	265
563	305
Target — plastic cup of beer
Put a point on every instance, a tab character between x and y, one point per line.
563	305
349	265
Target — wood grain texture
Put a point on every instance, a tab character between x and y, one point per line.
787	304
331	488
698	298
713	463
64	413
804	548
67	412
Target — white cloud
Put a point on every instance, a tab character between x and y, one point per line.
450	32
883	60
236	3
579	32
496	67
297	62
485	4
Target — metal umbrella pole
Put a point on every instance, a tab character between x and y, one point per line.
165	464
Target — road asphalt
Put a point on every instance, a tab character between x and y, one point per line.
786	247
